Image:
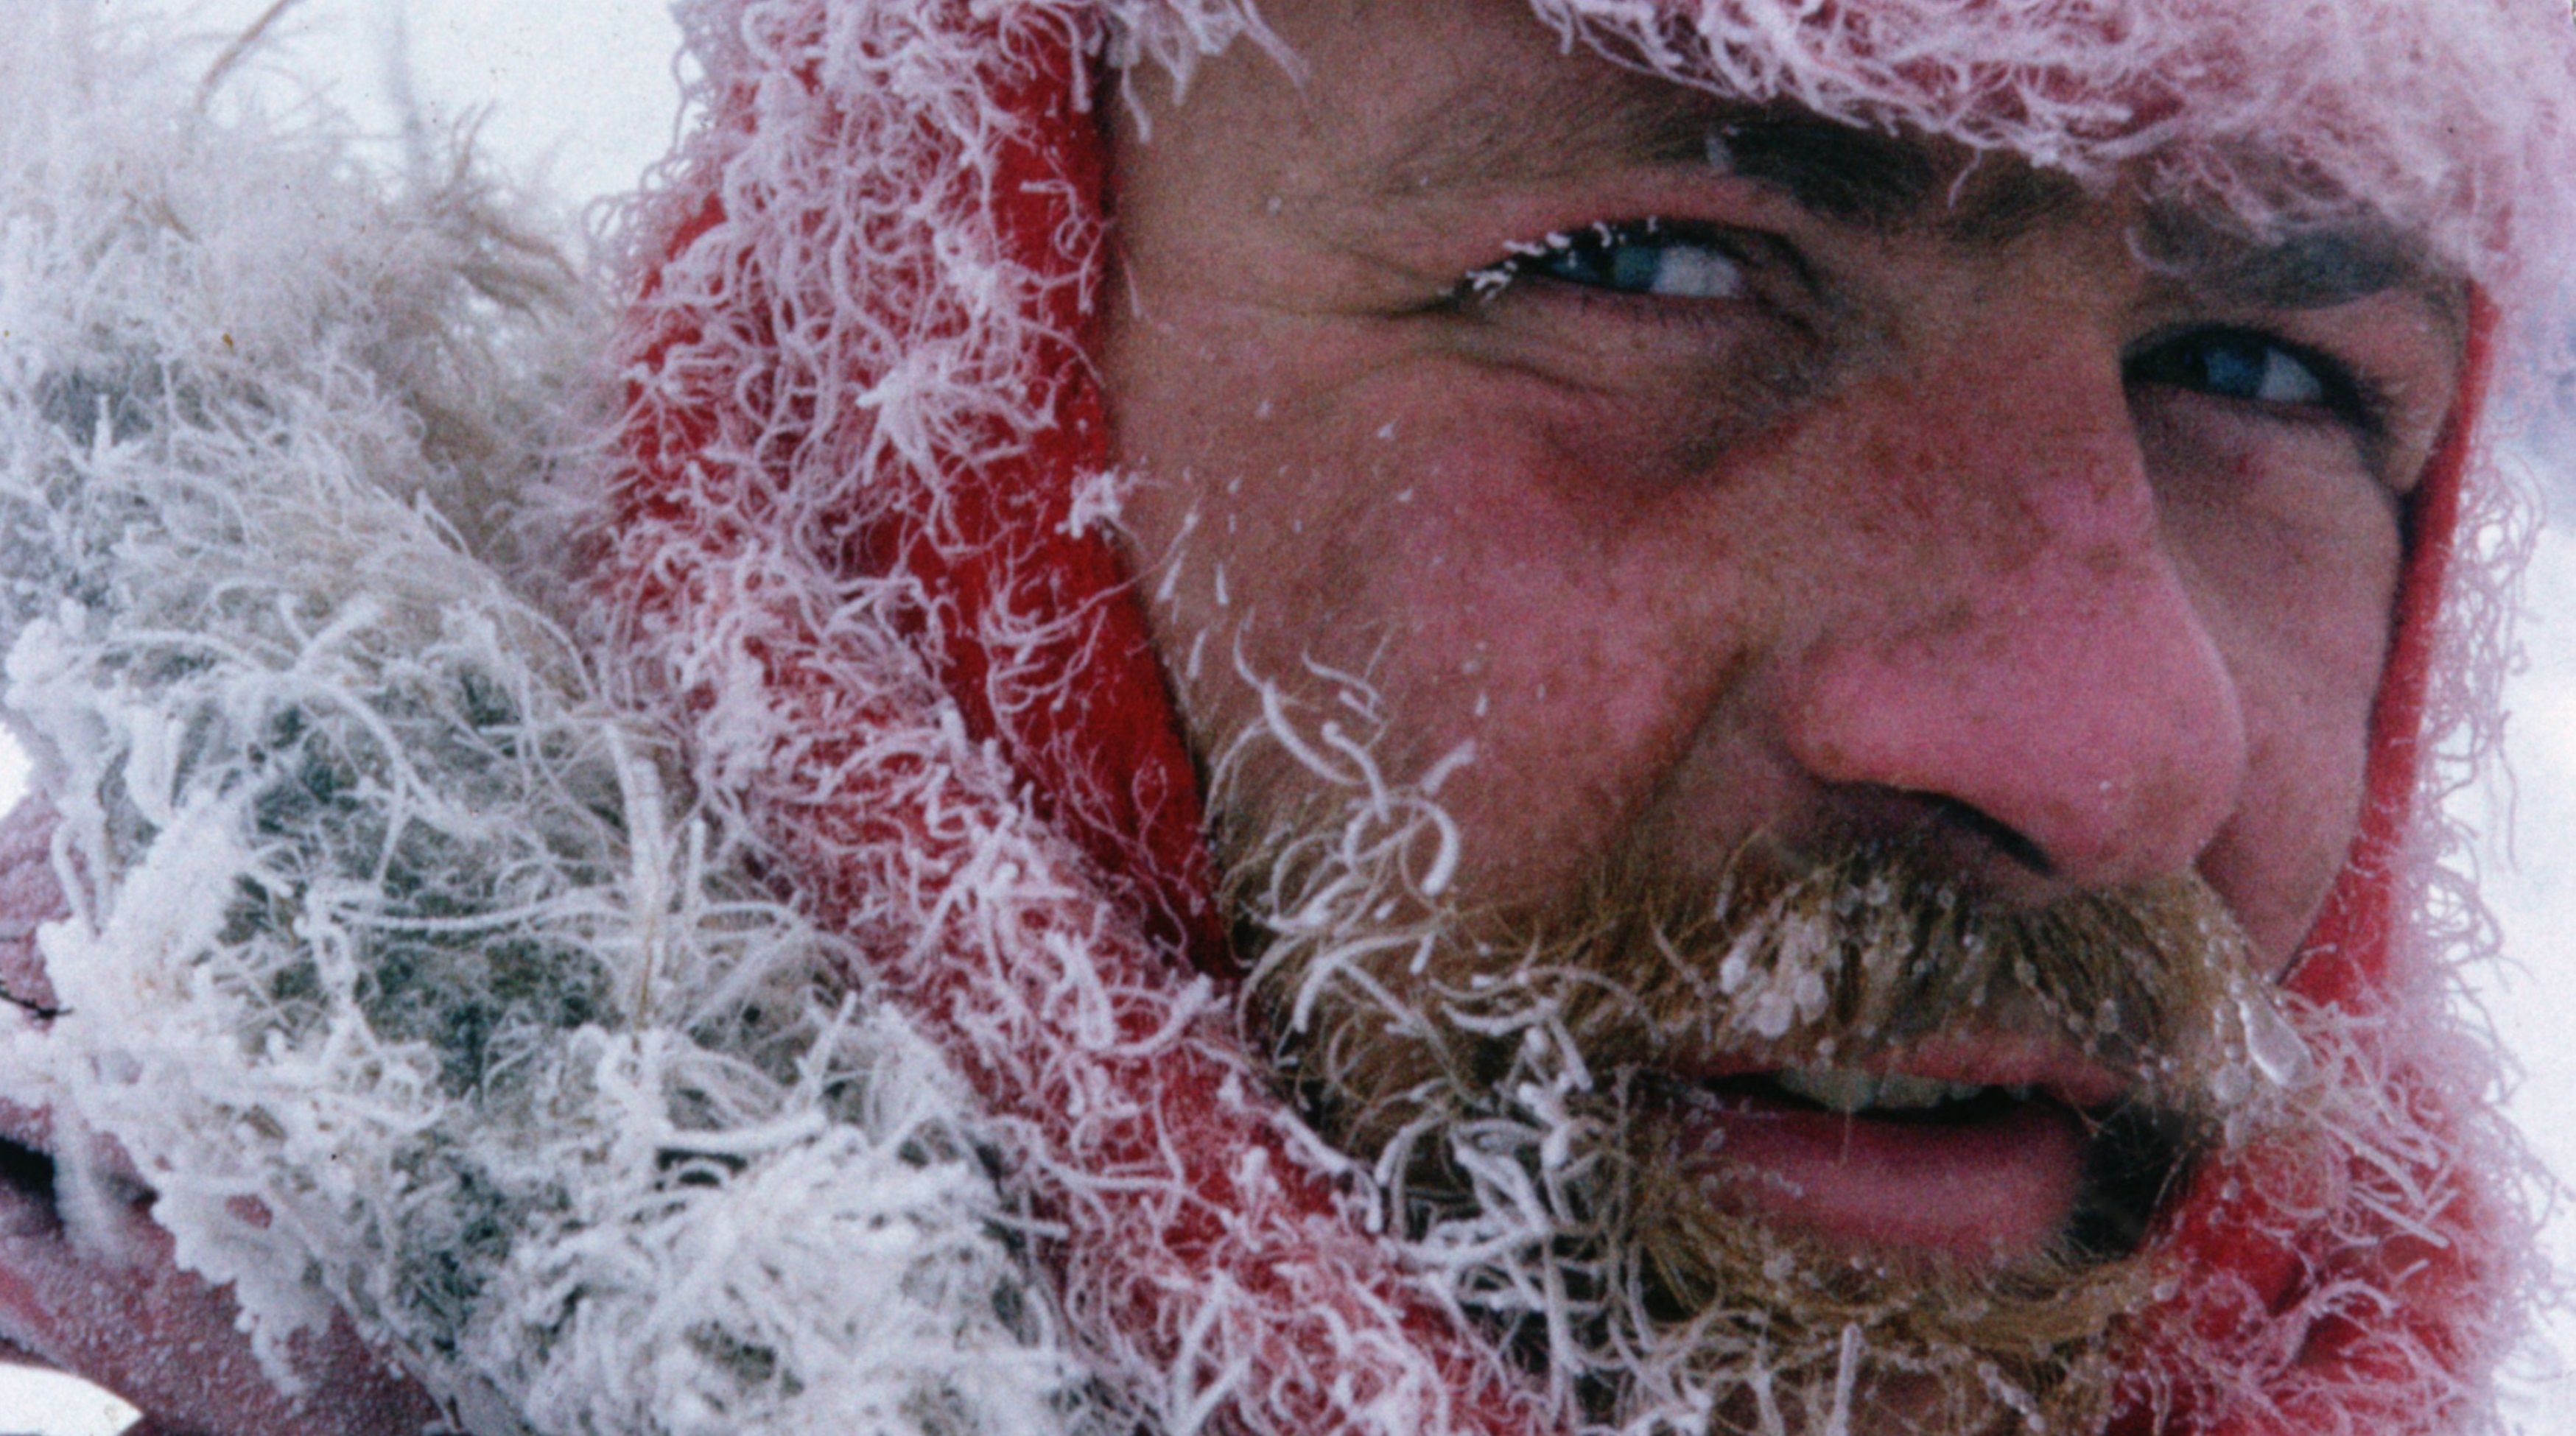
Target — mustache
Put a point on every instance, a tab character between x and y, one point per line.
1845	960
1871	950
1504	1071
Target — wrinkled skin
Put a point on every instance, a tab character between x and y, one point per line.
1727	482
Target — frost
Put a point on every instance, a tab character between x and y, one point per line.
398	958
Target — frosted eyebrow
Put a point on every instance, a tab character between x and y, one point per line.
1885	182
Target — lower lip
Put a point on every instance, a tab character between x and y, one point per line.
2000	1186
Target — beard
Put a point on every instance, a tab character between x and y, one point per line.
1531	1086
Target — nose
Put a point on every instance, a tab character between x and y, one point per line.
2037	660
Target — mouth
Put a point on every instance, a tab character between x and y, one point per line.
1996	1159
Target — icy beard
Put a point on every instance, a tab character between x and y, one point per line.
1517	1079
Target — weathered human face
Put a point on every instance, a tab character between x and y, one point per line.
1682	497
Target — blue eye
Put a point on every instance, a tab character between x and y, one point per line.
1637	258
2232	364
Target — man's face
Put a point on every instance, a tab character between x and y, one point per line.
1691	497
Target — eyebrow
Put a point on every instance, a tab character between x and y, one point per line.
2315	269
1852	176
1479	135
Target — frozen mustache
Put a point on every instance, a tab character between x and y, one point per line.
1870	952
1823	966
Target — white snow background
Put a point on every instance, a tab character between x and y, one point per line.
578	95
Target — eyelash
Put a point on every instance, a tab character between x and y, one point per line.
1608	248
2341	393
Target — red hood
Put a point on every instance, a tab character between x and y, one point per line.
780	510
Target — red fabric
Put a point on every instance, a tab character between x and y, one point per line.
1106	756
1107	761
2346	959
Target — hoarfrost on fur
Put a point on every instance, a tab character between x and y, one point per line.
397	964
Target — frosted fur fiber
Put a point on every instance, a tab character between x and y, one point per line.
394	963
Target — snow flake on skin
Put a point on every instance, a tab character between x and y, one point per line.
1097	501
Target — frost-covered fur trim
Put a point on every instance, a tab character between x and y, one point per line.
394	963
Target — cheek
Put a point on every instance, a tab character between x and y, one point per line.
2293	564
1579	624
1498	588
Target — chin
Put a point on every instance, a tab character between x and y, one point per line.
1655	1293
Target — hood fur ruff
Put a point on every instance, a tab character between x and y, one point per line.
393	959
732	987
